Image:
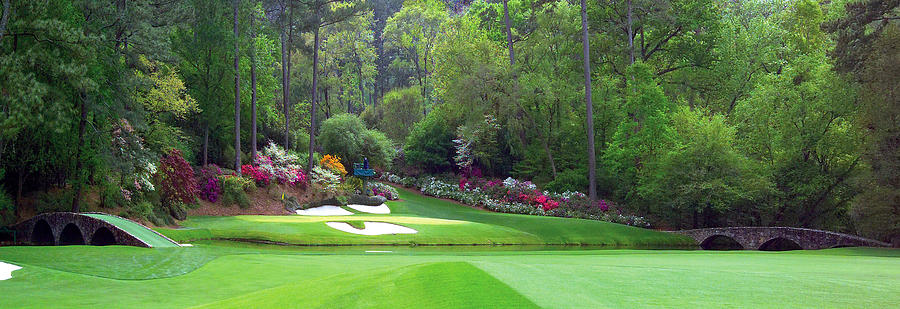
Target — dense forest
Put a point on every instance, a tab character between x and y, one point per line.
692	113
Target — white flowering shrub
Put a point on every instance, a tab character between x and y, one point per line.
325	179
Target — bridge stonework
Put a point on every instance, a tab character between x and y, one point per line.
753	238
87	226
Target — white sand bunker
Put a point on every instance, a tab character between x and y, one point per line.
6	270
324	211
380	209
372	228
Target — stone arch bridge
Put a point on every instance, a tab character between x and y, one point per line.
772	238
68	228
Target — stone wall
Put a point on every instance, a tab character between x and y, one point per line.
88	226
752	238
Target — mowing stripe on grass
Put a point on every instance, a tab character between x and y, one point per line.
429	285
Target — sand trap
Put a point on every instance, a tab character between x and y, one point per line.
324	211
372	228
186	245
378	251
380	209
6	270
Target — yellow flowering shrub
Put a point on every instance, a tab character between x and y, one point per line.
333	164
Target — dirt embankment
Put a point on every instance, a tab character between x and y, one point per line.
263	201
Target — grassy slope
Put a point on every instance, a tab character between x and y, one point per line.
438	222
287	277
141	232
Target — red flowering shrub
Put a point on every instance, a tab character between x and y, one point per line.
176	179
259	175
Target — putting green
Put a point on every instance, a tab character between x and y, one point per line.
226	274
438	222
143	233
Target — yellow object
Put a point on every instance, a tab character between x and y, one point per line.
333	163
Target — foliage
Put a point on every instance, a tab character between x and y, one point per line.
704	174
476	142
53	201
7	209
234	190
260	175
210	187
176	179
283	166
641	137
333	164
380	189
166	91
521	197
398	111
569	180
875	210
430	143
325	179
346	136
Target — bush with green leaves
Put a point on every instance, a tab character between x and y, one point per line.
54	201
7	209
326	180
380	189
569	180
346	136
234	190
430	143
398	111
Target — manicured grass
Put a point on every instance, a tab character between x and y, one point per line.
430	285
216	273
141	232
439	222
257	276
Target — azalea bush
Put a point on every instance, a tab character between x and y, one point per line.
333	164
380	189
325	179
261	176
275	163
209	186
176	179
520	197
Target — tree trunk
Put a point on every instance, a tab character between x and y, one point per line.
592	158
315	95
630	35
509	41
285	84
4	18
237	94
76	202
252	89
362	94
287	91
205	144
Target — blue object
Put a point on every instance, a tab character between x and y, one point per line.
363	172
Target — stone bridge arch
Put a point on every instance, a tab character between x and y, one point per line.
68	228
762	238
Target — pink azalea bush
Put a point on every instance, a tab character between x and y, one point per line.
276	164
522	197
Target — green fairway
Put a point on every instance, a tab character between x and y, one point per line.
233	275
533	269
141	232
439	222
